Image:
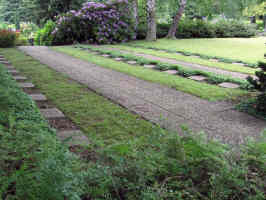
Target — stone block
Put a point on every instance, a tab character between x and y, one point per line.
229	85
52	113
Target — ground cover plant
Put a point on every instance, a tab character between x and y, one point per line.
257	105
229	48
203	90
33	163
7	38
148	163
181	71
188	59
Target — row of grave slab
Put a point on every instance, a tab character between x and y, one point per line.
66	129
171	72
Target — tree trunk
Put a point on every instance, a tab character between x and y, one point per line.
264	22
151	20
136	16
174	26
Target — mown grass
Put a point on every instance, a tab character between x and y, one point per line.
98	117
246	49
203	90
190	59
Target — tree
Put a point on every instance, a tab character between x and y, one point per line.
151	20
173	28
135	15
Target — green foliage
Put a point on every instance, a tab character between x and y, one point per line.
260	84
172	167
44	36
200	29
33	163
7	38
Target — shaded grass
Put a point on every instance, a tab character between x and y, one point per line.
203	90
99	118
246	49
190	59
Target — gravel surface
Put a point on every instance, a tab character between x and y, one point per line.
159	104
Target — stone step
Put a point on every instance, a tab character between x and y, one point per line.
26	85
229	85
76	137
52	113
38	97
105	55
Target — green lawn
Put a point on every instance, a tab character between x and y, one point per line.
190	59
246	49
203	90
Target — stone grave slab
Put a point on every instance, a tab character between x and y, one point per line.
237	63
132	62
52	113
13	71
26	85
149	66
76	137
198	78
106	55
20	78
173	72
4	62
38	97
195	56
229	85
214	60
118	59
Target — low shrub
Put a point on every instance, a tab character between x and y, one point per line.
33	163
200	29
44	36
260	84
7	38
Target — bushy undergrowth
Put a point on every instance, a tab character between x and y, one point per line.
33	164
7	38
174	167
44	36
201	29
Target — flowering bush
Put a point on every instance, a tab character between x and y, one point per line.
7	38
100	23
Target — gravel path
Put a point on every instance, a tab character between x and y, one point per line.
157	103
184	64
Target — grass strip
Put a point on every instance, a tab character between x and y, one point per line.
202	56
33	163
189	59
202	90
182	71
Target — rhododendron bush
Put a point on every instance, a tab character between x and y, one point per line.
101	23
